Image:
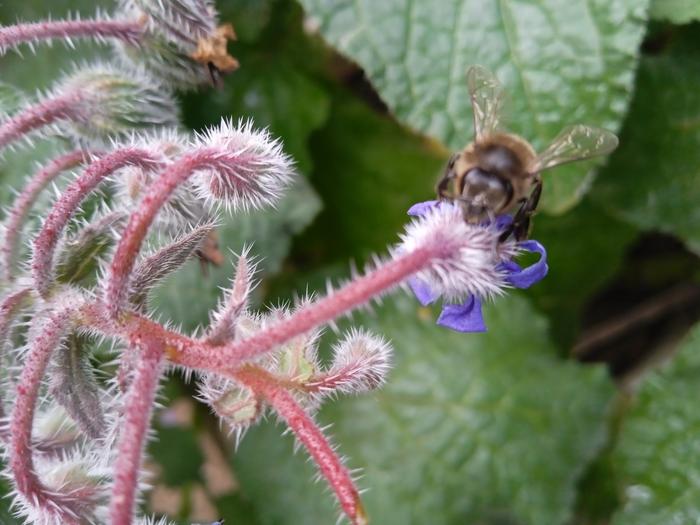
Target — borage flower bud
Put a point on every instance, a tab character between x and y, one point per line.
77	481
117	100
95	103
483	269
236	406
361	362
248	167
183	43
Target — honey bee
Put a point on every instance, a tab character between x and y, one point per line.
499	171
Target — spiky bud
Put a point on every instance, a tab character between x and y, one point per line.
183	43
225	318
361	361
78	482
236	406
93	104
116	100
154	268
251	170
74	386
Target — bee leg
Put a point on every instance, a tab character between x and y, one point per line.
520	227
448	175
215	75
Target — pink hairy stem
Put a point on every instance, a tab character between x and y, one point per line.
41	114
126	31
141	219
21	460
24	201
134	429
202	355
317	313
9	308
309	435
64	208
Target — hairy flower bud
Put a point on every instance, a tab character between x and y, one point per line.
182	44
236	406
93	104
250	168
361	362
113	101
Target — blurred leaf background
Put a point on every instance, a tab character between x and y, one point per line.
577	407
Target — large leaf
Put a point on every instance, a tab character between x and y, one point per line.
653	181
562	61
584	249
676	11
658	449
369	171
469	429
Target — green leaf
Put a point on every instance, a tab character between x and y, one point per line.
10	98
561	61
658	445
676	11
470	428
179	455
585	248
369	171
188	296
653	180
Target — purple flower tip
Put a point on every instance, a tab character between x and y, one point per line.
421	208
465	317
468	317
422	291
526	277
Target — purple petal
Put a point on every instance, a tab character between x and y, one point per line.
465	317
502	222
526	277
422	291
422	208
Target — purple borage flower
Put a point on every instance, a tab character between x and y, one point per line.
468	317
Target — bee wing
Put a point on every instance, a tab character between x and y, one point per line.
576	143
486	95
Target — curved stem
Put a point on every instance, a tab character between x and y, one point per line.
126	31
64	208
24	201
9	308
21	460
139	222
309	435
134	429
40	114
203	355
354	294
